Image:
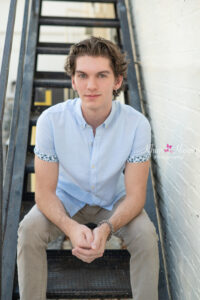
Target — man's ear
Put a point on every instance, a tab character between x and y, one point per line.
118	82
73	83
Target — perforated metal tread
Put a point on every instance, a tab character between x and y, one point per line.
69	277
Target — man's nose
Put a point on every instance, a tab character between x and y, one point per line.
92	84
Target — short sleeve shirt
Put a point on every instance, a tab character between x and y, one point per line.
91	167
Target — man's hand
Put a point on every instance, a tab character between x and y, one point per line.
97	246
81	236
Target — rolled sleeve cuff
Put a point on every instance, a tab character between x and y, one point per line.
44	156
139	158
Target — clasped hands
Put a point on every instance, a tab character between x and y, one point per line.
88	244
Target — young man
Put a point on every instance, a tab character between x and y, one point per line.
82	147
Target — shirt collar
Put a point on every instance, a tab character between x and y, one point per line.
82	121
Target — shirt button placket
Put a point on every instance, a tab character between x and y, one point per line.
93	163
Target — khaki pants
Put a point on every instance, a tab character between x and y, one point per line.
36	231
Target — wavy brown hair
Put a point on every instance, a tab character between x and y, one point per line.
97	46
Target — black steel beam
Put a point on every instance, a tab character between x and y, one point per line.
80	22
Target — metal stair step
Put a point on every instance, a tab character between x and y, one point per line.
52	79
56	48
52	83
69	277
29	163
53	48
33	120
39	109
51	75
30	148
28	197
93	1
84	22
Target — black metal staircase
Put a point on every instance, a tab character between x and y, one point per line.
68	277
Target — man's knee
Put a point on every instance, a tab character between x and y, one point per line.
142	234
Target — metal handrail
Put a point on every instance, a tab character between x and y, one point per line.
3	89
5	178
15	115
6	55
1	204
4	82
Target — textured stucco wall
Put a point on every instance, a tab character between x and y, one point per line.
168	47
168	42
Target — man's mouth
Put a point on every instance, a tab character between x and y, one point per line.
92	95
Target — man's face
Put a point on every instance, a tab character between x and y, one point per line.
94	81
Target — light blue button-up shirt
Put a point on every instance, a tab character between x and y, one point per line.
91	167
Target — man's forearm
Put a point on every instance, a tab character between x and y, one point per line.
127	210
51	206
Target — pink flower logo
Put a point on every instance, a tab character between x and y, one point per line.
168	148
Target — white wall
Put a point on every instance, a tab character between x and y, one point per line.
4	8
168	46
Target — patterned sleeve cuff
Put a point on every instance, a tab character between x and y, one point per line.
46	157
139	158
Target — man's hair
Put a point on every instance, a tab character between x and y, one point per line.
97	46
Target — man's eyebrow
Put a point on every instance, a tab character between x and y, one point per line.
103	71
79	71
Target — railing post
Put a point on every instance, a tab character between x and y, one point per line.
6	55
1	206
15	117
36	7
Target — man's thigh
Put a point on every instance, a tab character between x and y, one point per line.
36	223
42	226
140	225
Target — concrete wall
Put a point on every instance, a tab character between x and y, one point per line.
168	47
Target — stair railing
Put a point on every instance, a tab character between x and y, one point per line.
7	172
1	202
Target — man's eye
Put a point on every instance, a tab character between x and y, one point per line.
102	75
82	75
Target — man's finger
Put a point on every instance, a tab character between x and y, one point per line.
84	258
86	239
87	252
97	240
89	236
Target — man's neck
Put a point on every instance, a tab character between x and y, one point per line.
95	118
